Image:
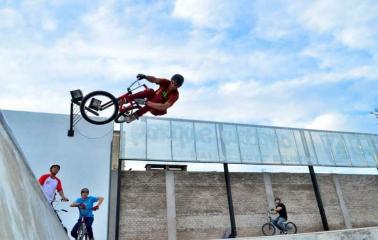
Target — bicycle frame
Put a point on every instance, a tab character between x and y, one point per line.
83	228
83	222
124	98
271	219
57	211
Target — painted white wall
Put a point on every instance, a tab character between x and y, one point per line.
24	212
84	158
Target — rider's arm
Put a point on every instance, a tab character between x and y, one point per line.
61	193
159	106
153	79
100	200
278	209
74	204
60	190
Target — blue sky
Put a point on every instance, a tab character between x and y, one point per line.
310	64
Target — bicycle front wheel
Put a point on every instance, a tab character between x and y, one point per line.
291	228
99	107
268	229
82	233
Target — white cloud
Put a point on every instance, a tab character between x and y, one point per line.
10	18
358	37
49	24
338	121
206	13
353	23
276	21
329	121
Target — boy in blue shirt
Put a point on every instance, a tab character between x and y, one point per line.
86	208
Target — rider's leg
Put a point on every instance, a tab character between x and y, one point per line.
75	228
274	221
88	224
157	112
145	109
280	223
147	93
137	114
142	111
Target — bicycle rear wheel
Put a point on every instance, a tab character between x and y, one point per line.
99	107
291	228
268	229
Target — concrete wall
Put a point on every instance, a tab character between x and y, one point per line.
201	205
202	210
361	197
84	158
250	203
24	212
143	206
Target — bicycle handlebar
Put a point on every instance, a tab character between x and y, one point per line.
130	89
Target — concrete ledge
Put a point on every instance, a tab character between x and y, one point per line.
370	233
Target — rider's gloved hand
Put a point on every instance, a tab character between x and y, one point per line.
141	76
82	206
95	208
140	101
64	199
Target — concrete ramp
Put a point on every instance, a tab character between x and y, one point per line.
24	212
370	233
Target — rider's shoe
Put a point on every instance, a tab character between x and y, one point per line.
131	118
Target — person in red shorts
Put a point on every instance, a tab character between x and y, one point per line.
156	101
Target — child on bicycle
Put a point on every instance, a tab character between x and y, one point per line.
86	208
156	101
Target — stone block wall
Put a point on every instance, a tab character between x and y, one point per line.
202	208
143	206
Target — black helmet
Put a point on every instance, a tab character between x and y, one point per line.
55	165
178	79
84	190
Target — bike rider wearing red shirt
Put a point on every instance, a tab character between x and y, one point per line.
156	102
51	184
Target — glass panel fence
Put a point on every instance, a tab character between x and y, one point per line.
199	141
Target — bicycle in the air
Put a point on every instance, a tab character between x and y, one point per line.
270	229
101	107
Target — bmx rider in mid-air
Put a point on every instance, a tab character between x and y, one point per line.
156	102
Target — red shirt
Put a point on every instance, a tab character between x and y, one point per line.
162	95
49	186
